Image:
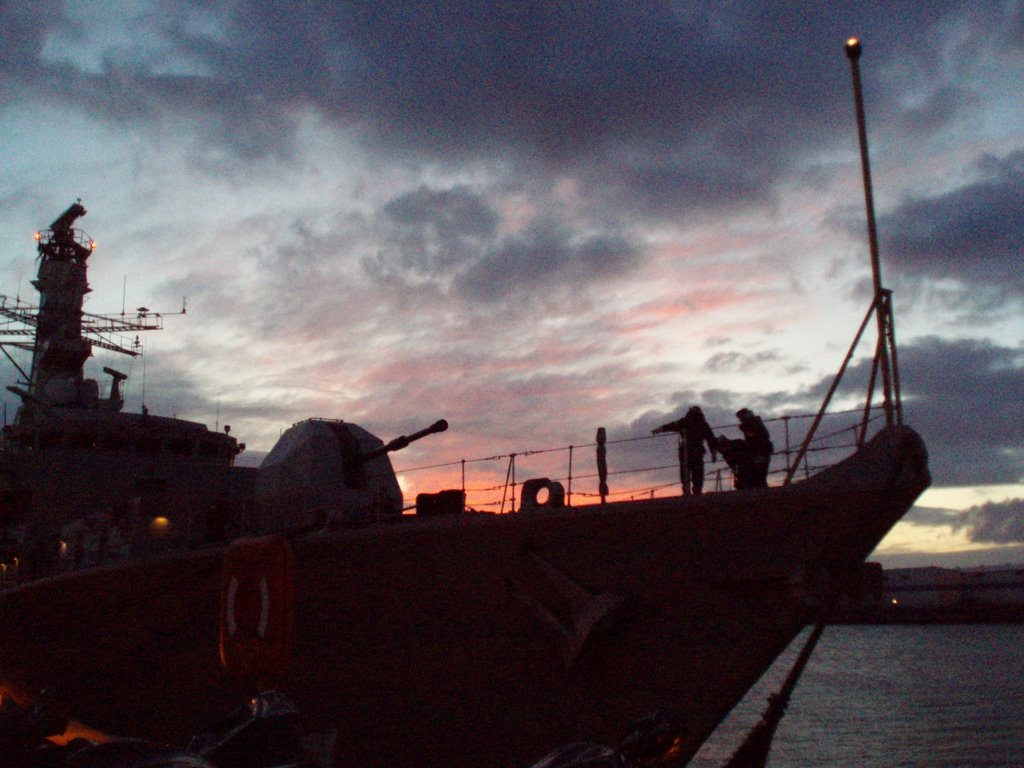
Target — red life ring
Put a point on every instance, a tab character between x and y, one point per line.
257	606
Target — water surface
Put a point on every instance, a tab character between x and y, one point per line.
895	697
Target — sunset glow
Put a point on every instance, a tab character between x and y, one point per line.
540	224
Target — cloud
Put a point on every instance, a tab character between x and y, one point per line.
964	397
430	235
966	235
546	258
994	522
25	27
929	517
739	361
662	107
453	239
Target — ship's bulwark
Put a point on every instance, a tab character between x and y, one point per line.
473	639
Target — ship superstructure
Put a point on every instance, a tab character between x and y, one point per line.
445	638
442	638
74	463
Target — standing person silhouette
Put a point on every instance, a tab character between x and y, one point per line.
759	444
694	431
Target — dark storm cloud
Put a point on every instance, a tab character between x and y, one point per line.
971	234
24	27
450	238
562	78
655	104
994	522
929	517
964	398
437	231
738	361
938	110
548	258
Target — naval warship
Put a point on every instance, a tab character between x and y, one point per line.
151	584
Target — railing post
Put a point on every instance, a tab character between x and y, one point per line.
512	460
509	473
464	500
568	496
785	426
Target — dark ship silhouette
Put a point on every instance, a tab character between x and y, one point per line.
72	456
439	639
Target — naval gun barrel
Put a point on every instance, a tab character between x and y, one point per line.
402	441
64	222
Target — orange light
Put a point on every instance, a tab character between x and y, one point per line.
895	601
158	525
852	49
37	236
77	730
92	244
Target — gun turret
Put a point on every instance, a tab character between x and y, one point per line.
401	442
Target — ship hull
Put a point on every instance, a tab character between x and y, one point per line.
479	639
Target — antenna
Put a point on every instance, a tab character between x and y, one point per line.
144	409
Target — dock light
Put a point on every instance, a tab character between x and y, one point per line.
853	48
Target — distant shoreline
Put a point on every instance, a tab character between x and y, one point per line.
976	614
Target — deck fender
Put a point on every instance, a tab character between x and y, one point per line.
257	606
531	489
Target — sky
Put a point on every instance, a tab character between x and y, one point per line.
537	219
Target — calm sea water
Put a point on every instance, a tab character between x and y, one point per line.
895	697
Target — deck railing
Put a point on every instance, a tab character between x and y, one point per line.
639	467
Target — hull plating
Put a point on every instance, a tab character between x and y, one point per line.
478	639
